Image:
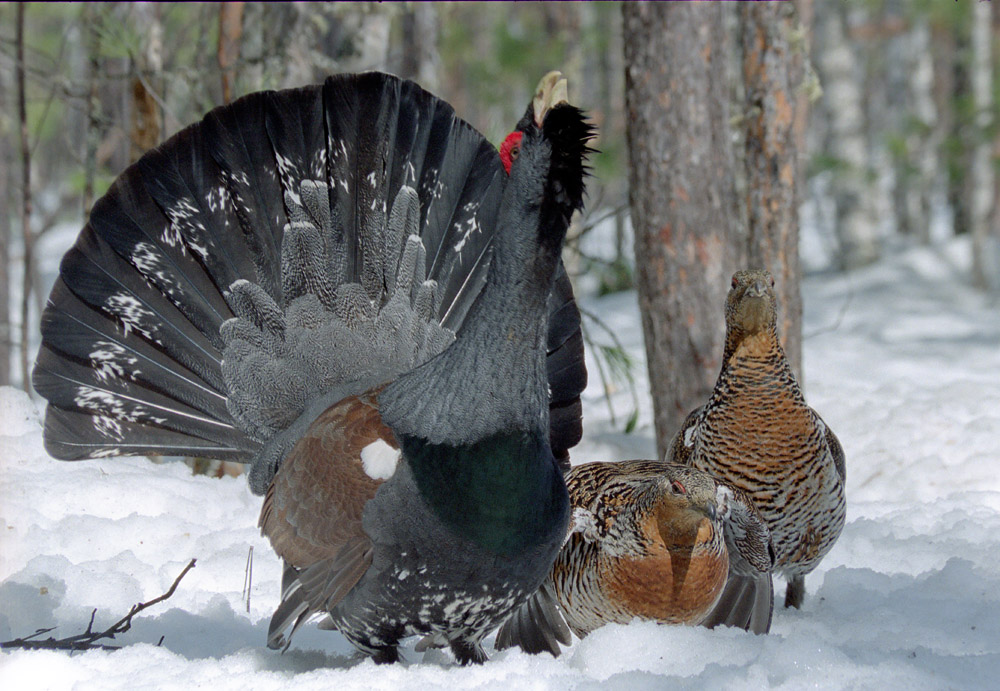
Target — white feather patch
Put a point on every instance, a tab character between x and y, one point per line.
379	460
724	498
582	521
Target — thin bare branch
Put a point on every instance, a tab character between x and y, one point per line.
88	639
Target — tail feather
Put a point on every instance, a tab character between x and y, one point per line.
150	244
90	337
537	626
389	205
73	386
74	435
190	190
249	189
99	277
746	602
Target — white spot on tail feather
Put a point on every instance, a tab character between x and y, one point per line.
379	460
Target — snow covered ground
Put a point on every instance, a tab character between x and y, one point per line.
902	360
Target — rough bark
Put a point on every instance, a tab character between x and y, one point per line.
772	72
146	119
682	198
230	35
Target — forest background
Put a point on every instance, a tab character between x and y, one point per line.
724	129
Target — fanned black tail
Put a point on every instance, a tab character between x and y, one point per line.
290	215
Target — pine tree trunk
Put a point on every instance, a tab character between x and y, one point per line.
772	72
146	118
683	201
230	37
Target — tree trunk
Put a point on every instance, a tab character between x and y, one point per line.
6	203
27	238
92	107
960	138
420	44
846	143
922	136
146	118
683	202
995	214
772	72
985	240
230	35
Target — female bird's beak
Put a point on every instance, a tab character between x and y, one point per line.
551	91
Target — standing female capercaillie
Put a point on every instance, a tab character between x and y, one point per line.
757	433
345	287
652	541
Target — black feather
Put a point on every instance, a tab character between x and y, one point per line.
143	294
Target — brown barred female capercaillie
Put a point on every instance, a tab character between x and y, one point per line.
650	540
757	433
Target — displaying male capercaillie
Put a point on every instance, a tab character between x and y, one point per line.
652	541
343	286
757	433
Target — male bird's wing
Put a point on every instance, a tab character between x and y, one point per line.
312	510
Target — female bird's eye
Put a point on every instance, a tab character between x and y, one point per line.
734	281
677	488
772	281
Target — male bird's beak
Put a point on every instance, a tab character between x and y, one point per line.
551	91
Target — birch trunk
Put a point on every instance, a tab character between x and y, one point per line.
846	141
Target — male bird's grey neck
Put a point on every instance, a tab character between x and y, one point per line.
492	379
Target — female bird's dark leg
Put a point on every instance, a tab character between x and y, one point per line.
796	591
467	652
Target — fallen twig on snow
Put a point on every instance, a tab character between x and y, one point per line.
88	639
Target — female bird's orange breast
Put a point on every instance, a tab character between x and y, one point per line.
674	586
